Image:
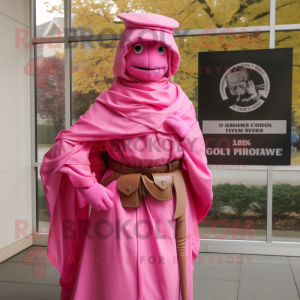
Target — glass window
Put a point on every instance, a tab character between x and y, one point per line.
239	210
49	81
287	12
42	210
92	65
285	39
99	17
286	206
219	14
49	18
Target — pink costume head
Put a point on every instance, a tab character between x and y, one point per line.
147	51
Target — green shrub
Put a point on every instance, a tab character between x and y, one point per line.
240	198
285	199
46	134
259	205
41	196
217	204
237	196
222	194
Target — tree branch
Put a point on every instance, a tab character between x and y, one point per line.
286	38
261	15
207	9
186	8
242	9
209	12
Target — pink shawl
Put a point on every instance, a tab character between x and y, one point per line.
128	109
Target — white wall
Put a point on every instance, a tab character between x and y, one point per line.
15	133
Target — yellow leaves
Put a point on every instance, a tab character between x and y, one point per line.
92	66
256	14
60	54
223	10
55	8
287	12
195	104
285	39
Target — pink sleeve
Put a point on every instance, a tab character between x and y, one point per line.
80	176
82	168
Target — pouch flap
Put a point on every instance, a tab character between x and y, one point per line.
129	183
162	180
155	191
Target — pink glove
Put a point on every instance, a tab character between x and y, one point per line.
98	196
178	125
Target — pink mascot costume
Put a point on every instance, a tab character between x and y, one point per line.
127	246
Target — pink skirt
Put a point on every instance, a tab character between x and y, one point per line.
130	253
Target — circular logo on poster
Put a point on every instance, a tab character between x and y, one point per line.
245	86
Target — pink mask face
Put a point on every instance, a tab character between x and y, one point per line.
147	61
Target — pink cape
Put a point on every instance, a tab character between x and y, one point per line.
126	110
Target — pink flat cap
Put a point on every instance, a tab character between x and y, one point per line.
148	21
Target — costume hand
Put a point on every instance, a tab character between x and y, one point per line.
98	196
178	125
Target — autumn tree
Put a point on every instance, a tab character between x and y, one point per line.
92	62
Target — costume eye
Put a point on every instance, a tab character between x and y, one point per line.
138	49
161	49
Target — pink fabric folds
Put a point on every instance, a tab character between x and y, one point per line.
149	21
128	109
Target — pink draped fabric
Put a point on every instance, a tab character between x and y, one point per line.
95	259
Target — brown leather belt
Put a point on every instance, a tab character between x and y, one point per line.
125	169
135	184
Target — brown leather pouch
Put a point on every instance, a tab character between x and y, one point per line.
135	187
128	185
161	186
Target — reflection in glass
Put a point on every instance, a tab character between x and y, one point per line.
42	210
286	39
92	73
100	17
187	74
286	206
49	18
239	210
287	12
49	80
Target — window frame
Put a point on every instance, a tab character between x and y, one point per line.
269	246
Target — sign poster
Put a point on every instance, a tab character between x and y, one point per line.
244	106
